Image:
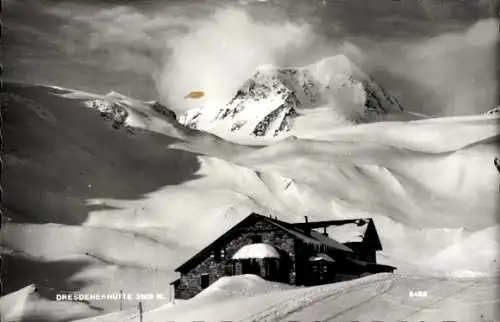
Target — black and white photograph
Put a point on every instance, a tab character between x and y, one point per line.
250	161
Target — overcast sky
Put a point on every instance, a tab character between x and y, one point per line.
435	55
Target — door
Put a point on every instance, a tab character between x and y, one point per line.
250	266
319	273
205	281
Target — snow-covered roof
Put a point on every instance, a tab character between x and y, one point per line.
320	257
259	250
352	232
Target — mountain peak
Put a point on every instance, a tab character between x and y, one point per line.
494	111
263	109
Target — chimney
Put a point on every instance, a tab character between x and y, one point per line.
324	232
307	230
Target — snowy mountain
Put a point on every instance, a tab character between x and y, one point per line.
115	198
127	112
493	112
27	304
266	105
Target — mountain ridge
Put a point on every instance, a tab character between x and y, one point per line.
265	106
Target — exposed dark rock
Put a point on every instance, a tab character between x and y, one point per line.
163	110
493	111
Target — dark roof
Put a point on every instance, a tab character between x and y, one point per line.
372	267
313	238
338	222
362	227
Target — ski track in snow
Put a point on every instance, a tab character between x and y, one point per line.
385	289
280	311
440	299
393	303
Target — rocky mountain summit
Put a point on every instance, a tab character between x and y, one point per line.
494	111
265	106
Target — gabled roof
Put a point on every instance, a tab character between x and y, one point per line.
297	233
347	230
313	238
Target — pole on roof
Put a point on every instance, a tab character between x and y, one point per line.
269	212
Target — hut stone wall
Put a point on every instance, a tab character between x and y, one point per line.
190	283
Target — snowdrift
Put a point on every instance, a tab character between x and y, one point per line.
63	258
242	285
27	305
380	297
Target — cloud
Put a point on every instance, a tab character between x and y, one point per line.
189	47
186	50
222	52
126	38
456	71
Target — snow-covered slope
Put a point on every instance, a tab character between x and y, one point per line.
27	305
130	206
381	297
264	108
240	285
493	112
128	112
442	167
59	155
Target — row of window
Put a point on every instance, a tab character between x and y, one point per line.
219	254
229	270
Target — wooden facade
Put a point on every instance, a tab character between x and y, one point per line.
305	257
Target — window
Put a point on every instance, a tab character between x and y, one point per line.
205	281
256	239
265	269
219	254
228	269
238	268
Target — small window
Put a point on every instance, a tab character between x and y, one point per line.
205	281
218	254
265	268
228	269
256	239
238	268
